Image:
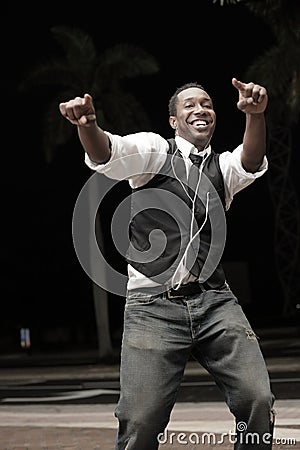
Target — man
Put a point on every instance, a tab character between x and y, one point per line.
178	303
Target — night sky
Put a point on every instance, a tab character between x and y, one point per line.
43	283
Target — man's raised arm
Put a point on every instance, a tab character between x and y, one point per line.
253	100
80	111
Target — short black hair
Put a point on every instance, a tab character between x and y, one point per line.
173	100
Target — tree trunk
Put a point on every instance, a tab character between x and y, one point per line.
100	295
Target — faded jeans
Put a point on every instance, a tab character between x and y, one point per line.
160	335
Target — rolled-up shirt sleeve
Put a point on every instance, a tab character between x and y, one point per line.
135	157
235	176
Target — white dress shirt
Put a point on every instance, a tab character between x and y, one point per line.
138	157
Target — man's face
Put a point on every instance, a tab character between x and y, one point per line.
195	117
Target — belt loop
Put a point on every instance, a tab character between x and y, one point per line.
202	287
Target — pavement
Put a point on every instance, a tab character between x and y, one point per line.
93	427
193	425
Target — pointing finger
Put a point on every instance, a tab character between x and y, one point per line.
238	84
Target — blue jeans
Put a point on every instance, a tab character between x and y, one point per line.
160	336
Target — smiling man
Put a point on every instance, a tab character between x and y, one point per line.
178	302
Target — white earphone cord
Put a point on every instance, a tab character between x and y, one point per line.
193	200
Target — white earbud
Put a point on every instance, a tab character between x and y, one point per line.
175	125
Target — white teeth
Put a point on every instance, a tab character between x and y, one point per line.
200	123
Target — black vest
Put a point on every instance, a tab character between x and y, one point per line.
161	213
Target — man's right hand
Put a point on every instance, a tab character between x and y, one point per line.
79	111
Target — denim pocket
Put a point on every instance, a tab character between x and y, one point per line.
140	298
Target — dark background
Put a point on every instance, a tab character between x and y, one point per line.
43	285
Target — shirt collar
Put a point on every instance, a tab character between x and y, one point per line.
186	147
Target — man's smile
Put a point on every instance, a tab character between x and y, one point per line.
199	123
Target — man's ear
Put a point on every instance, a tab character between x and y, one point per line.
172	121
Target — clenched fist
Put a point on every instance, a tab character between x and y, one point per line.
79	111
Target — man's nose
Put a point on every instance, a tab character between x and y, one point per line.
199	109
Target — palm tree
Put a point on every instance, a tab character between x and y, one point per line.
278	68
79	70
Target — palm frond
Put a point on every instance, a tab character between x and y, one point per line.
278	68
283	16
50	73
79	70
223	2
77	44
126	61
